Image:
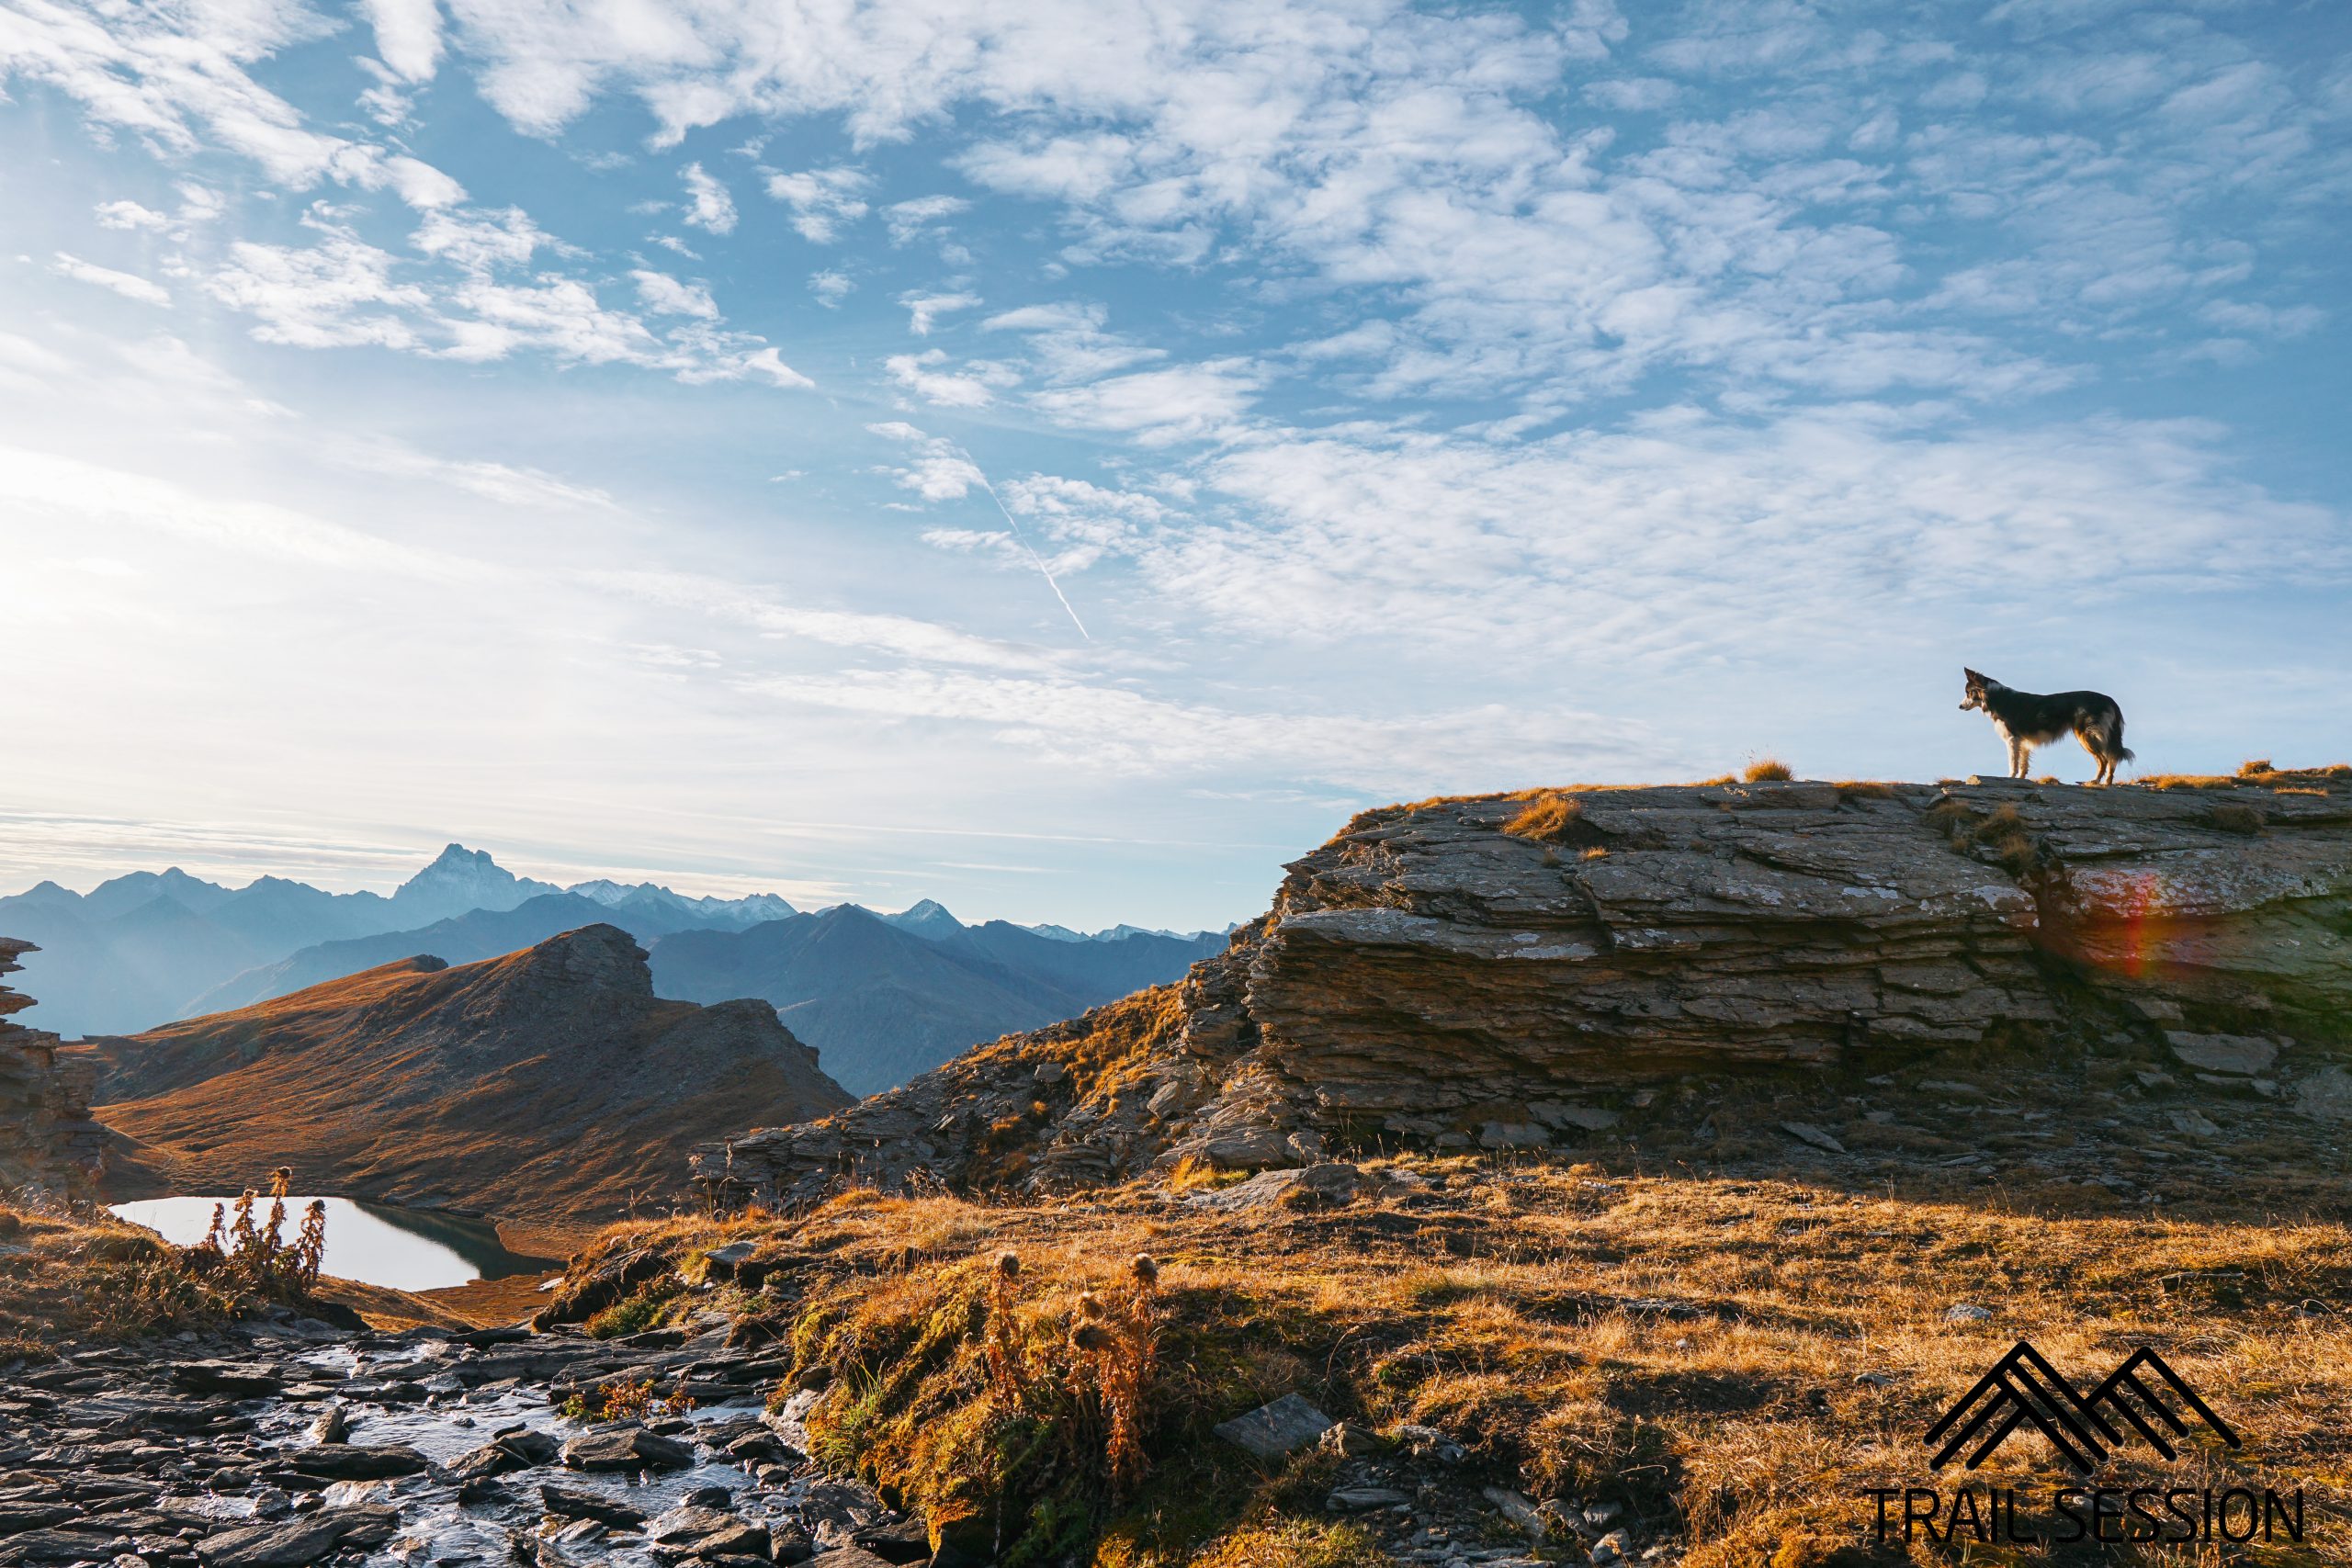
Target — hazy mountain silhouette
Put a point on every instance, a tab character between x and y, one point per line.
461	939
885	998
149	947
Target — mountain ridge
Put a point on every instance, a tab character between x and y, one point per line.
546	1084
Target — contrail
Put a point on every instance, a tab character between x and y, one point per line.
1043	570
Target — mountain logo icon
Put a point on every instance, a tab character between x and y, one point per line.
2023	1390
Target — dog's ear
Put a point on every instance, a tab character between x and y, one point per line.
1972	677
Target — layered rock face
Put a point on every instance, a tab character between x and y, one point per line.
47	1138
1432	976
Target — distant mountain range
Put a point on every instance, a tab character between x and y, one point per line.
882	996
548	1084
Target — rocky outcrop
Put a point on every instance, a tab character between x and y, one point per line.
550	1084
47	1138
1510	970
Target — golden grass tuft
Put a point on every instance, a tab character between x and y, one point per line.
1547	819
1768	770
2257	773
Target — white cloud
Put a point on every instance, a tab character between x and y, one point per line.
708	206
131	215
48	486
500	482
926	641
1632	94
408	35
481	241
1695	534
974	385
1103	728
665	296
831	287
1178	403
129	285
337	293
939	470
910	221
924	309
767	364
822	201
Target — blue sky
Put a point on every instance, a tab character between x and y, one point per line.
1062	458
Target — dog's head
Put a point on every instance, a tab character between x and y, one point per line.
1973	693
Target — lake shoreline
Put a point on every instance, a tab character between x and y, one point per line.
392	1247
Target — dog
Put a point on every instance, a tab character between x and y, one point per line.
2027	720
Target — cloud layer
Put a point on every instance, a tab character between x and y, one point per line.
1186	401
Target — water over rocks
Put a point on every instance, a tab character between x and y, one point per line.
287	1441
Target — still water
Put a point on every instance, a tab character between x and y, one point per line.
376	1244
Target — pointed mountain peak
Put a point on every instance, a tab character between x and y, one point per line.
928	920
460	879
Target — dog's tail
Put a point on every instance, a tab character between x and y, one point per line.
2123	753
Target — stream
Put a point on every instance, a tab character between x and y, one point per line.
208	1452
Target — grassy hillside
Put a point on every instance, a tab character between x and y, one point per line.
1728	1360
548	1085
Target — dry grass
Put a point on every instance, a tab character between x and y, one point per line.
1549	818
73	1274
1768	770
2256	775
1730	1360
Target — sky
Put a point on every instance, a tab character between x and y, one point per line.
1064	457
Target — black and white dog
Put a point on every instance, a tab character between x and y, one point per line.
2026	721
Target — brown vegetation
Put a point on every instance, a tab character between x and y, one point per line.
1547	819
1768	770
2256	774
548	1086
1729	1358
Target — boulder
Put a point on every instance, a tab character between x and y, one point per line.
1272	1430
618	1449
2327	1095
2241	1055
240	1380
707	1532
569	1504
295	1543
1806	1133
1316	1187
357	1461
